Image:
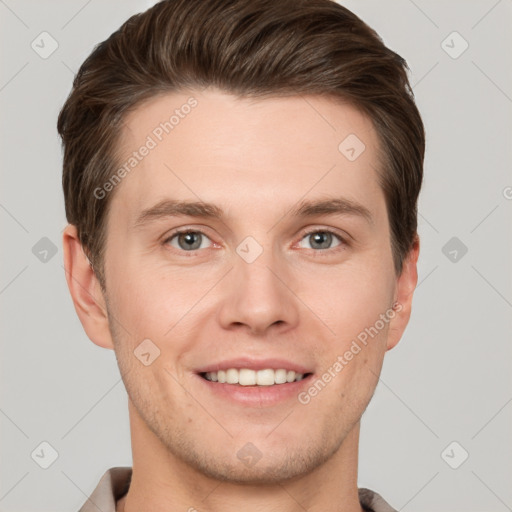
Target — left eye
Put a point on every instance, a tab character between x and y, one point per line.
322	239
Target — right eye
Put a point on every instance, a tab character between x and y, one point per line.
187	240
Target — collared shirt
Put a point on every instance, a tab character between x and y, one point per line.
114	484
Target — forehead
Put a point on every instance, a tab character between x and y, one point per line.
213	146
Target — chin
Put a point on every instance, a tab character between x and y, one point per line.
260	462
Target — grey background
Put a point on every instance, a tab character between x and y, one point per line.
449	379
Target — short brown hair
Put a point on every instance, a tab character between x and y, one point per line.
249	48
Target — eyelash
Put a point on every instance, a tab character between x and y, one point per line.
320	252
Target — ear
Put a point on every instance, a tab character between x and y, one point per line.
85	289
406	284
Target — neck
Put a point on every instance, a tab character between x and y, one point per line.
163	483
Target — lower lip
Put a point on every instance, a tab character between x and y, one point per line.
260	396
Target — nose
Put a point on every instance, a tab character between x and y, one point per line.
258	296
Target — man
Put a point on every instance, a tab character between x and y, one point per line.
241	180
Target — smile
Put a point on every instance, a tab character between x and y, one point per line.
248	377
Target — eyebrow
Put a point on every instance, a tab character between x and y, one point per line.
175	208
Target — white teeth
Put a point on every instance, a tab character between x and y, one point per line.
265	378
280	376
232	376
247	377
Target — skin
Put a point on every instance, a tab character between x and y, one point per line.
256	159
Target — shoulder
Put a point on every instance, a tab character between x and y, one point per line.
112	486
374	502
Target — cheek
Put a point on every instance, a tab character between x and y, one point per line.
351	297
355	304
150	301
160	305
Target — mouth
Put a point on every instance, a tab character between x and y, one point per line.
257	378
253	382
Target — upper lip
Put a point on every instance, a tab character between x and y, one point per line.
255	364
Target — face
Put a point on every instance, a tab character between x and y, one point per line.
284	263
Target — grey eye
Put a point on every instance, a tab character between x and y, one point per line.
321	239
188	241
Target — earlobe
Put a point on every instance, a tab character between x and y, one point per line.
406	284
85	290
